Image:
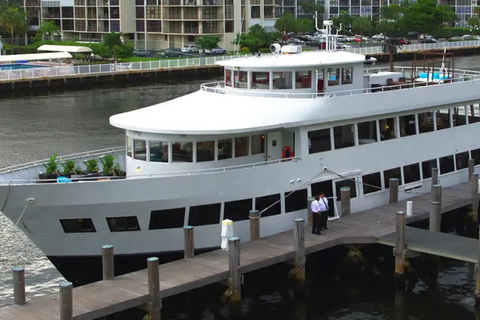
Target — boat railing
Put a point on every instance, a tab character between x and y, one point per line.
75	156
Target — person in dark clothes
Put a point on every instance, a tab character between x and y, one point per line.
316	218
323	204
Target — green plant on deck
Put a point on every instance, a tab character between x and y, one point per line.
71	167
109	165
92	165
52	165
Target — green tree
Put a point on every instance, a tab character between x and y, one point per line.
305	25
208	42
112	40
259	32
311	7
345	19
255	39
361	25
286	23
14	20
386	27
391	12
425	16
47	28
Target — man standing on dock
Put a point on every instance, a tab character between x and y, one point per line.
315	206
323	205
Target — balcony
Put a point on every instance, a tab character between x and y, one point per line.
172	3
102	3
212	2
191	30
91	3
32	3
210	16
51	15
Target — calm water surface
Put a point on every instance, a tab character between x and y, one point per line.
34	127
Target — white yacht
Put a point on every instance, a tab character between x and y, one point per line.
278	129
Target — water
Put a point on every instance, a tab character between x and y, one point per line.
18	66
36	125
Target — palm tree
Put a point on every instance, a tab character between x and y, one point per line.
390	46
361	25
112	40
47	28
14	20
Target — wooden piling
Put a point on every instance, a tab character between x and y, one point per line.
300	259
400	251
477	271
66	301
309	209
345	200
437	194
254	216
471	169
19	285
234	276
475	196
434	177
435	217
155	304
189	242
393	185
107	262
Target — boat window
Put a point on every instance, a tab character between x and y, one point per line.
387	129
407	125
346	183
182	151
260	80
237	210
228	78
427	167
319	141
77	225
129	147
347	75
459	118
273	200
476	156
282	80
446	164
241	147
461	160
258	144
224	149
323	186
123	224
443	118
371	183
158	151
167	219
205	151
343	136
303	79
333	76
140	149
411	173
204	214
320	81
392	173
367	132
296	201
425	122
473	114
241	79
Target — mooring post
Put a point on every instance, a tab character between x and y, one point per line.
234	276
155	304
474	190
477	271
189	242
309	209
66	301
345	200
471	169
254	216
435	217
19	285
434	177
107	262
437	194
400	251
393	185
300	259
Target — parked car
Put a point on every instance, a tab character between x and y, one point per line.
400	41
344	46
215	51
141	53
378	37
470	37
428	40
192	48
172	53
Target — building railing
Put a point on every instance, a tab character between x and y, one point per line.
417	47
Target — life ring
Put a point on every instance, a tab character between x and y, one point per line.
287	152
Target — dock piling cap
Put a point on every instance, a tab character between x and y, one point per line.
227	222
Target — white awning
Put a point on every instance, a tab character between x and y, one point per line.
35	57
71	49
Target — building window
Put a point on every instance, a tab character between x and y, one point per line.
367	132
115	26
347	183
255	10
140	26
182	151
237	210
461	160
443	119
241	147
158	151
204	215
258	144
387	129
269	12
154	26
273	200
224	149
296	201
77	225
303	79
139	13
319	141
392	173
407	125
371	183
333	76
167	219
411	173
140	149
343	136
427	167
205	151
129	147
260	80
282	80
154	12
446	165
425	122
123	224
347	75
229	27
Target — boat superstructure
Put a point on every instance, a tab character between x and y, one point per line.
278	129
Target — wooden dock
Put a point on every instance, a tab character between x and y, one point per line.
131	290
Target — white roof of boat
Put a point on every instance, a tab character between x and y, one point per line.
35	56
304	59
58	48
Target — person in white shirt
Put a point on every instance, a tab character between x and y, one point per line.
315	206
323	204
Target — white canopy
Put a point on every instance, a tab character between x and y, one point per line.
71	49
35	57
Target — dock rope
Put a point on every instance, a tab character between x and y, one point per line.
6	196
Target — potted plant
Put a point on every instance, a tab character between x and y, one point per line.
92	166
69	168
51	168
110	167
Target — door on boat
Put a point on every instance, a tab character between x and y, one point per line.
274	145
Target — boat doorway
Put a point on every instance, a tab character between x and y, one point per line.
274	145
